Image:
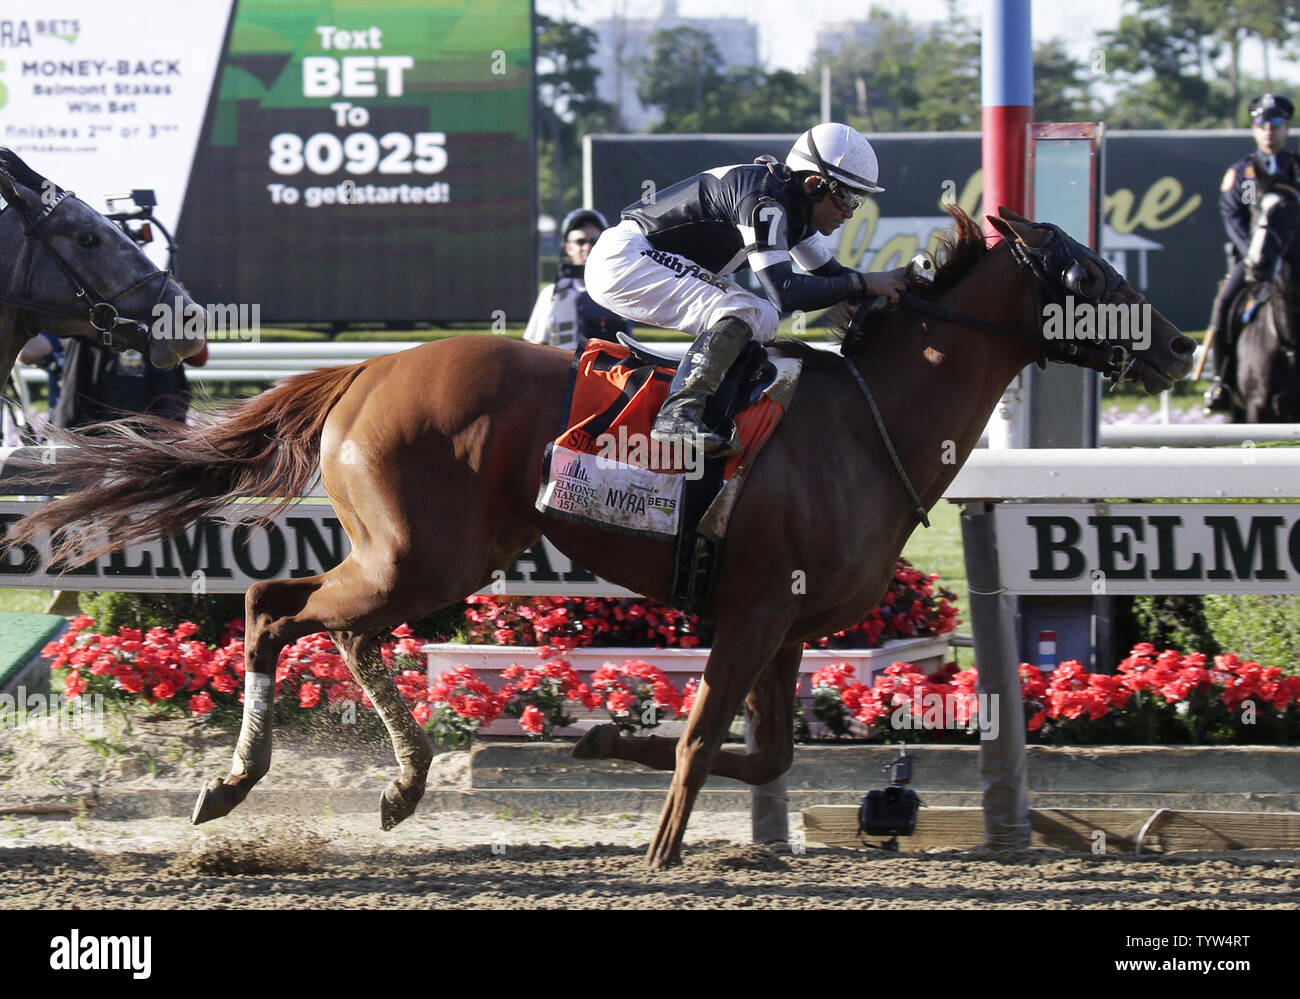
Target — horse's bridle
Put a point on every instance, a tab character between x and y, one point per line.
1054	272
100	309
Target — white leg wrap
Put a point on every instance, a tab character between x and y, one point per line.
259	691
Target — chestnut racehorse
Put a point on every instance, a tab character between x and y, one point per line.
432	459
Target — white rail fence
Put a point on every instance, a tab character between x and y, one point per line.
267	363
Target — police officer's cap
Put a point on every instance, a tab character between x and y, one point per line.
1271	105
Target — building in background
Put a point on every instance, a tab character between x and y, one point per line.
833	38
624	42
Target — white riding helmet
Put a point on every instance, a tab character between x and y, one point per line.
839	153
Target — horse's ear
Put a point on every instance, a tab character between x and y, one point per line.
1016	228
1011	216
14	191
1004	229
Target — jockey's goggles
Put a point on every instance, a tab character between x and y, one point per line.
849	200
1277	121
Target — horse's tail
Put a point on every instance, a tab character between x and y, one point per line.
145	477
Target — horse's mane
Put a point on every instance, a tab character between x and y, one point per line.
959	250
14	166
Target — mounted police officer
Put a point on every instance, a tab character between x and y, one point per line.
564	314
1244	188
668	262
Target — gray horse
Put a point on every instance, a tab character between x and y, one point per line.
67	269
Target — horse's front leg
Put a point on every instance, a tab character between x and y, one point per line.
771	704
741	649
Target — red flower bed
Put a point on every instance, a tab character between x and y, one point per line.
163	666
1155	697
911	608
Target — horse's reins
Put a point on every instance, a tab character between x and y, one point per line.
100	310
1041	263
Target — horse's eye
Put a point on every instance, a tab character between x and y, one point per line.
88	240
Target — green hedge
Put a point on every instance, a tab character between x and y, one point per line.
1258	627
210	611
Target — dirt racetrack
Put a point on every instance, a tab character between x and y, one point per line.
109	856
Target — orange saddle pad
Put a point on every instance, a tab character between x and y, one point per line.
604	469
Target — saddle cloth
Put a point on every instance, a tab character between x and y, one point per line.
604	469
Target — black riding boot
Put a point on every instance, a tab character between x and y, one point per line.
681	418
1216	396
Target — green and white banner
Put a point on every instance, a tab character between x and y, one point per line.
105	97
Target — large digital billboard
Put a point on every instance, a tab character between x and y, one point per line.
329	161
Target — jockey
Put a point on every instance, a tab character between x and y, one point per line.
667	263
564	314
1242	190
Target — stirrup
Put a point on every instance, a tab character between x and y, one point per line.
1216	398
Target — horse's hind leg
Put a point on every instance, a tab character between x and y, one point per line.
271	610
771	706
410	744
346	601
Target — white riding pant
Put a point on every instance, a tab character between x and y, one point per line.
627	275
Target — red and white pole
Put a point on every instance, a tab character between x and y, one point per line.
1008	89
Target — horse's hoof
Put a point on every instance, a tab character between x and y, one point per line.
655	861
597	743
217	799
394	806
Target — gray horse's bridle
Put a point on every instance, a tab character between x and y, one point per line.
100	309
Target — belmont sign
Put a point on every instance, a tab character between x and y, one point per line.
1084	548
224	556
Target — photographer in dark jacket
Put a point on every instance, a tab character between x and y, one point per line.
99	384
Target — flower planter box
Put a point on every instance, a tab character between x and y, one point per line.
678	664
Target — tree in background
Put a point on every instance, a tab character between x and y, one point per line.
1062	85
947	77
680	73
567	109
905	78
1179	63
682	78
874	81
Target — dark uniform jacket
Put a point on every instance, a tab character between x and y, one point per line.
1244	186
99	384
